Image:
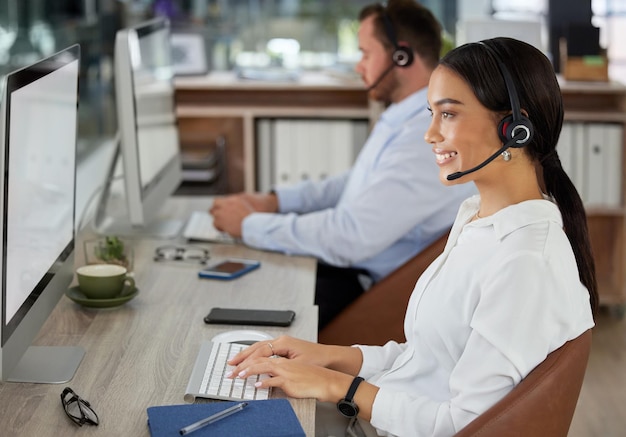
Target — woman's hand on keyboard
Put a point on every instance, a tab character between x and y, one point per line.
300	380
297	379
343	358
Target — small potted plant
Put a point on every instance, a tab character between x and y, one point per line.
109	250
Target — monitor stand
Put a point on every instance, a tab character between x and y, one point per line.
47	364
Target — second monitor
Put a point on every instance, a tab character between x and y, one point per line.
148	135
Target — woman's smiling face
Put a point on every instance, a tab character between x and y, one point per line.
463	133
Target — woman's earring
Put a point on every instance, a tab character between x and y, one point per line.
506	155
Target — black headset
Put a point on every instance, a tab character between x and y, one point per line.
516	123
514	130
402	55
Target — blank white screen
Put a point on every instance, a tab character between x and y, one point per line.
41	167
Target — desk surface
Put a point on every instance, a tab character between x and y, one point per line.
142	353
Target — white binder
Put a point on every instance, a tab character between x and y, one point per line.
565	149
596	159
284	152
603	165
613	135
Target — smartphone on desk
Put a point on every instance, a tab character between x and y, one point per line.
229	269
241	316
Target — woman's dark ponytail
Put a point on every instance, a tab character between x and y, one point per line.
559	186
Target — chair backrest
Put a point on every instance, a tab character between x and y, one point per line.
543	403
377	316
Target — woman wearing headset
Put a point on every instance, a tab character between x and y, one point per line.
514	283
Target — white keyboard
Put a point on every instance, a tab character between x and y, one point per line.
208	381
200	227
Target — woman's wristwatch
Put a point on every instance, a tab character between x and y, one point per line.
346	406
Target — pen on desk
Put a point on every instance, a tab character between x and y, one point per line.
214	418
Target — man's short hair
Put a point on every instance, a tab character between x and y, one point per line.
413	24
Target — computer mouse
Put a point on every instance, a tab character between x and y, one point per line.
243	336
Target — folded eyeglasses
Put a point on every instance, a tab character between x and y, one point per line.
187	253
78	409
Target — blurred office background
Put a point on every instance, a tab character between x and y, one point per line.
289	34
295	35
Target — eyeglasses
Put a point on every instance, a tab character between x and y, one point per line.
78	409
188	253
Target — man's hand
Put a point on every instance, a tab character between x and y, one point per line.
228	214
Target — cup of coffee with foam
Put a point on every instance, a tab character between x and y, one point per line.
104	281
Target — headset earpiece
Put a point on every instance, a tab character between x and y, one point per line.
523	128
402	56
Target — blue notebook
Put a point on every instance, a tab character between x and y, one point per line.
269	418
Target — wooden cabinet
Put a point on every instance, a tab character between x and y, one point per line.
199	136
221	105
595	102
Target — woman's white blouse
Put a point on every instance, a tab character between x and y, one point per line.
503	295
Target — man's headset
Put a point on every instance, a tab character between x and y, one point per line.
402	55
514	130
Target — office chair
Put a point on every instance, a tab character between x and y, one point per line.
543	403
377	316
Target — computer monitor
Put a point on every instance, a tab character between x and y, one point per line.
148	134
37	201
480	28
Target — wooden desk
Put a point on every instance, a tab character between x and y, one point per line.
142	353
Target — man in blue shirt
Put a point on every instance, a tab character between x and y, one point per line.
390	205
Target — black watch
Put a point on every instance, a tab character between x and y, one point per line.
346	406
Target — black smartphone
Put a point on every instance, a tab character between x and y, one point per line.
241	316
229	269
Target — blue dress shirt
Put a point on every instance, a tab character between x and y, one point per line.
388	207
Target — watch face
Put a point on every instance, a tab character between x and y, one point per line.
347	408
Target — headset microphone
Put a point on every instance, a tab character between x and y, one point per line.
459	174
380	78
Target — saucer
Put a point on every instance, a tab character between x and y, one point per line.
77	296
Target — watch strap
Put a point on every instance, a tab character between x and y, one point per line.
352	390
